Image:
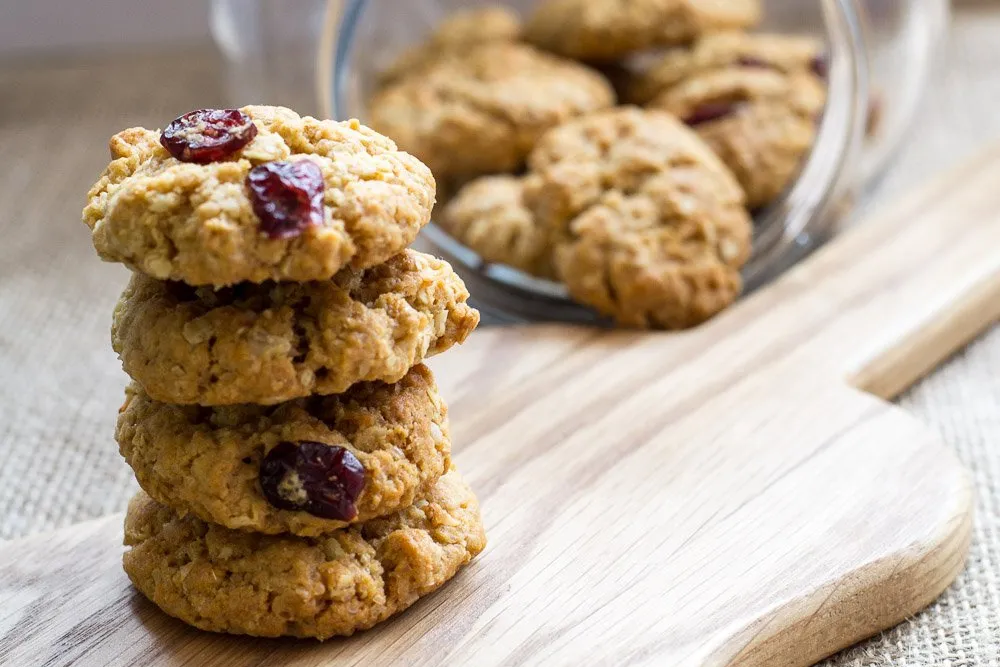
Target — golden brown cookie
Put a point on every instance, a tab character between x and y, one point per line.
761	122
489	216
265	585
649	226
308	466
482	113
198	223
754	98
273	342
457	33
787	54
607	30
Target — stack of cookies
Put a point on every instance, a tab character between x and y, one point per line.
617	147
293	451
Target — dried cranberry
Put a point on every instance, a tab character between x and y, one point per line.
323	480
820	66
208	135
753	61
286	196
711	111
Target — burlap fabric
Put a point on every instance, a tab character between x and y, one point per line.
61	383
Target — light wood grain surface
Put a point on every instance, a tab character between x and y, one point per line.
727	496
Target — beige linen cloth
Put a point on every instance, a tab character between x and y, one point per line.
60	383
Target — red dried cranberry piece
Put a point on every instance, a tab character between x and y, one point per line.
287	197
208	135
323	480
820	65
711	111
753	61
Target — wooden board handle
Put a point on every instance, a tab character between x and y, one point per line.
889	299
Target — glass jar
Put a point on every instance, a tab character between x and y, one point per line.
322	57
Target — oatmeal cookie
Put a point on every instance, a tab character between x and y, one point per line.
787	54
607	30
489	216
648	225
483	112
273	342
457	33
760	122
265	585
198	223
217	463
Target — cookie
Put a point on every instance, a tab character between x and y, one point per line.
457	33
201	223
608	30
648	225
489	216
273	342
265	585
787	54
482	113
217	463
761	122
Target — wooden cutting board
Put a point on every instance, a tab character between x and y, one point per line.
740	494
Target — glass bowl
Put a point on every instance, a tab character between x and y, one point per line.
323	57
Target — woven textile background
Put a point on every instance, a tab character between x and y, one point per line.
60	383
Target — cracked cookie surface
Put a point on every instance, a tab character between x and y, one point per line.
489	216
753	98
273	342
482	113
195	223
607	30
230	581
648	225
207	461
458	32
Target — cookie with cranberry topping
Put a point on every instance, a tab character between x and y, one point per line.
273	342
786	54
308	466
302	200
489	216
482	113
457	33
223	580
648	225
754	99
609	30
